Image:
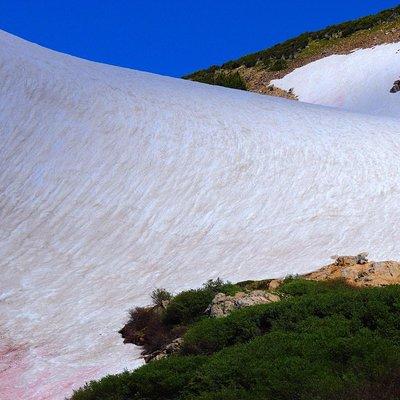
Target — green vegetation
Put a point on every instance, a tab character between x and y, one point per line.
228	79
322	341
155	326
189	306
278	65
158	296
278	57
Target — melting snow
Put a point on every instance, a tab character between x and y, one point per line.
359	81
114	182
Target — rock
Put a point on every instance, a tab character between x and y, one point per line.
358	271
274	284
344	261
171	348
362	258
222	304
396	87
256	297
165	303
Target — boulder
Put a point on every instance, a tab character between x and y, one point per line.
274	284
344	261
171	348
396	87
222	304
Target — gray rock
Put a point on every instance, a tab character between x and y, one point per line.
396	87
171	348
222	304
345	261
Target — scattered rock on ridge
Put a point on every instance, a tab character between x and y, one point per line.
344	261
223	304
359	271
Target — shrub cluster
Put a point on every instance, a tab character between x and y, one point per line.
189	306
323	341
154	327
220	78
275	57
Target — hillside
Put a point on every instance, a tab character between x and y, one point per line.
248	340
114	182
259	72
315	340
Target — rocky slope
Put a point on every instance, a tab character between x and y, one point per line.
355	271
259	69
359	272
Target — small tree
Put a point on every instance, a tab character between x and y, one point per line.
160	295
215	285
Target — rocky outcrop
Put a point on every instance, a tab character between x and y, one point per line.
223	304
274	284
171	348
146	323
345	261
396	87
358	271
278	92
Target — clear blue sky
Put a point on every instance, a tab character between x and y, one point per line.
171	37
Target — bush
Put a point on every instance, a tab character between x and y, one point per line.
189	306
218	77
211	335
146	328
231	80
289	49
279	65
325	341
160	295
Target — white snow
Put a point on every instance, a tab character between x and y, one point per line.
114	182
359	81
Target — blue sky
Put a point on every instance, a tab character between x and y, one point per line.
171	37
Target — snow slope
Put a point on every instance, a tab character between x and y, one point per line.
359	81
114	182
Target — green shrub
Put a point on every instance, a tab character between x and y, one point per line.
210	335
231	80
289	49
145	328
279	65
189	306
162	380
309	306
160	295
220	78
325	341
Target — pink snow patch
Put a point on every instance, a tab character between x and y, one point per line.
19	379
45	389
13	364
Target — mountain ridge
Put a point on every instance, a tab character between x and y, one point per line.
255	71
